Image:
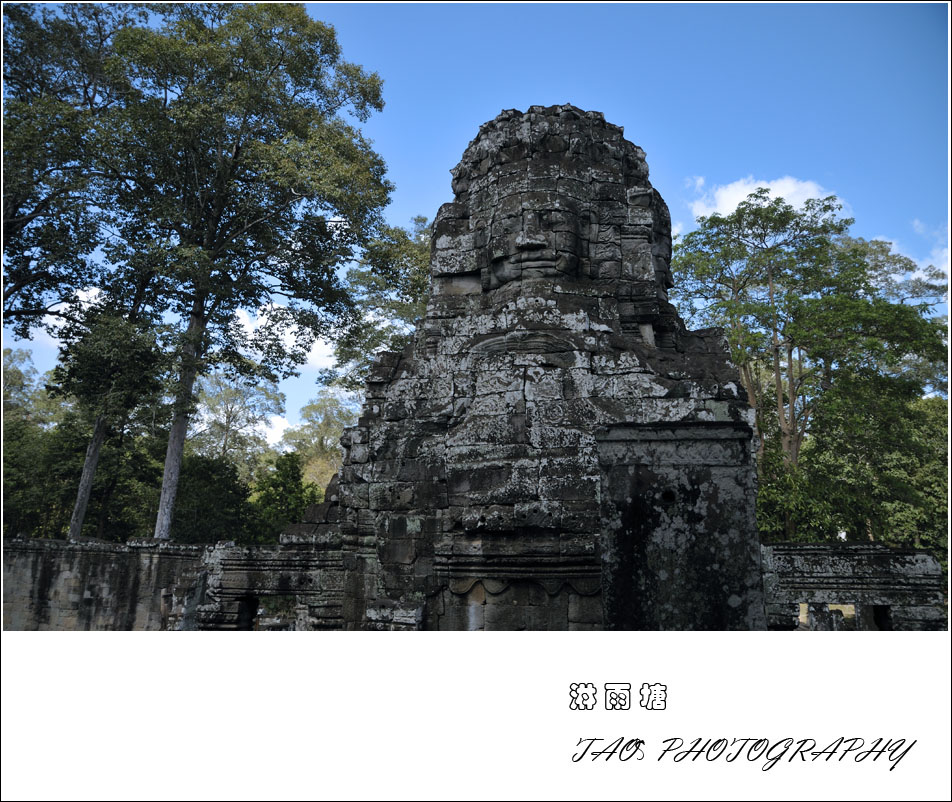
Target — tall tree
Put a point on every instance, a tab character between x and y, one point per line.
61	84
745	271
799	302
203	154
234	160
64	87
109	362
809	311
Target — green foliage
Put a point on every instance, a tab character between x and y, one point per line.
61	83
24	395
212	503
836	345
235	161
754	272
878	458
45	440
30	441
282	495
231	413
233	487
108	362
317	438
126	491
194	160
232	160
40	473
391	283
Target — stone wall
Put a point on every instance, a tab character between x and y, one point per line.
808	587
684	553
52	584
298	585
294	586
553	440
151	585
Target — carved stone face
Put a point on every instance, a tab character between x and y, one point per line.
559	195
536	235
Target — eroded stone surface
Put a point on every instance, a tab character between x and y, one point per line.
883	588
58	585
553	430
148	584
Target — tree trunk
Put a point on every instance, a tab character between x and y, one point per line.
86	482
792	444
113	482
183	402
788	528
778	377
753	400
99	436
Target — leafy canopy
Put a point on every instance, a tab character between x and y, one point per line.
391	283
234	164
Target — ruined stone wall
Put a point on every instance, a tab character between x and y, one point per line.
51	584
293	586
299	586
554	450
807	587
148	585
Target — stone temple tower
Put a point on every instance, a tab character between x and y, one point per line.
554	450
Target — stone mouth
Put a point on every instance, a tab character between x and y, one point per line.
532	258
537	342
539	264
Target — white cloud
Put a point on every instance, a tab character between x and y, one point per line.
89	296
938	256
724	199
277	425
321	355
677	228
246	322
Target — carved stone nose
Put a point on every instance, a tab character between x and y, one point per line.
530	240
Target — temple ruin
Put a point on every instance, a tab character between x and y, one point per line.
554	449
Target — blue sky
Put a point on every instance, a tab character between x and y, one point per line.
815	99
851	97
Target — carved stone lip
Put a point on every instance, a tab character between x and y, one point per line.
531	258
537	342
526	254
545	264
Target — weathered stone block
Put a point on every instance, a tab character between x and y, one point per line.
585	609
